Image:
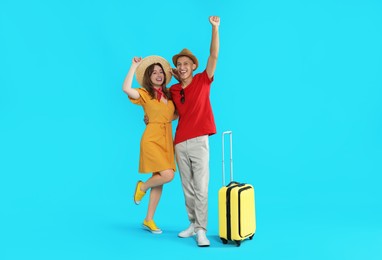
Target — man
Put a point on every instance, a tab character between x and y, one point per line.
196	123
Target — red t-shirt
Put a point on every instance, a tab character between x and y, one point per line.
195	114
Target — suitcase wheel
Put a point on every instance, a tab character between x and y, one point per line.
250	238
238	242
225	241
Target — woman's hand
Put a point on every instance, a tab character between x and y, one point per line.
136	61
175	73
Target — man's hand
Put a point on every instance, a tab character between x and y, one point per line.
215	20
146	119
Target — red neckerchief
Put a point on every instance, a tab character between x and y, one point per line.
159	93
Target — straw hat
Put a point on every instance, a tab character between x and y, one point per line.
146	62
187	53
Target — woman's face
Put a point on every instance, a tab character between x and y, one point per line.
157	76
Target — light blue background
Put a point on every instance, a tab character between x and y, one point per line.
298	82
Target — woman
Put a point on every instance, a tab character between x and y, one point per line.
157	152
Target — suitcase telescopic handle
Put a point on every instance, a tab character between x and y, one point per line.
230	156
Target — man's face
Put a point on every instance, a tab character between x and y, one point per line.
185	67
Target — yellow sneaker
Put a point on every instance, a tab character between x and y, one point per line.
150	226
138	194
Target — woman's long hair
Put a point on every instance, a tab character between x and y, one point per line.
148	85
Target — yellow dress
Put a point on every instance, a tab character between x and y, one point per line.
157	149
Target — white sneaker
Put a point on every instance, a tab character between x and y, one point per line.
202	239
189	232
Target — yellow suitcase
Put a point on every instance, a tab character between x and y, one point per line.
237	219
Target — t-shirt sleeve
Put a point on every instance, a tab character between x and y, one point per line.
144	96
205	77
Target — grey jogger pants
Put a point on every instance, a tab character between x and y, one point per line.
192	157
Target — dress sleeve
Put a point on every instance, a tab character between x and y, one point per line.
144	96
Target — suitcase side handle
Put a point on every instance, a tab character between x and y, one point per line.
230	156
